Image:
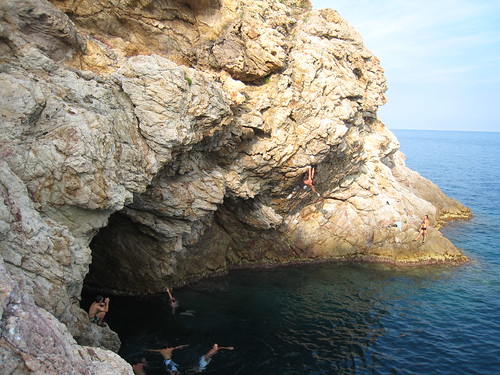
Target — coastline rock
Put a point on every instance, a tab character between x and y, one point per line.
33	341
171	137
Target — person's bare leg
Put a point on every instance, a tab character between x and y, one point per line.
101	315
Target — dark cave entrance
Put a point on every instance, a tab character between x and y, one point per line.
121	254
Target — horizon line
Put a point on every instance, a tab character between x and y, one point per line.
448	130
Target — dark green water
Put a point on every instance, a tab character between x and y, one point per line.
315	319
350	318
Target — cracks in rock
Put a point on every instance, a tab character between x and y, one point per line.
17	349
335	198
47	331
259	133
220	223
146	140
146	23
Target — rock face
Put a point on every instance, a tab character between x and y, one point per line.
33	341
147	144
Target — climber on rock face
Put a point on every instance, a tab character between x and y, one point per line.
308	179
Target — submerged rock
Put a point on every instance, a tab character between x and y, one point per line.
148	144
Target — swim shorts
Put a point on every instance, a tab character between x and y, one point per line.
170	365
203	363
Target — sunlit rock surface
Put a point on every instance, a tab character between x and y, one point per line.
147	144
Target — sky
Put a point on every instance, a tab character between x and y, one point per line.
441	59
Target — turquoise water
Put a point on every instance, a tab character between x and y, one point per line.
350	318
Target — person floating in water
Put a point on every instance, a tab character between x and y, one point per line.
167	357
308	179
98	310
174	304
205	359
422	230
138	366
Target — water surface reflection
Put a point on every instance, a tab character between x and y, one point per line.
311	319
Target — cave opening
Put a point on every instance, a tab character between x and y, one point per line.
121	258
130	258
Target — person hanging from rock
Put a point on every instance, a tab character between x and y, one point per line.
308	179
205	359
174	304
98	310
166	352
422	230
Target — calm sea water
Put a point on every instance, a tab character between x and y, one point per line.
350	318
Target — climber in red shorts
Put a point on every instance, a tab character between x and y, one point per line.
308	179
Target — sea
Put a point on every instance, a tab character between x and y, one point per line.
348	318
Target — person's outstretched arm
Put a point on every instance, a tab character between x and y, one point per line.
181	346
153	350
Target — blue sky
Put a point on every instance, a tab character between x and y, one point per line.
441	59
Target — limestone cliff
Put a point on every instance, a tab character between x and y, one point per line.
148	143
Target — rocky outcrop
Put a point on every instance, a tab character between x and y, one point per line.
33	341
147	144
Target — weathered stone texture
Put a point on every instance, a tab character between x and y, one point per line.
33	341
171	137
